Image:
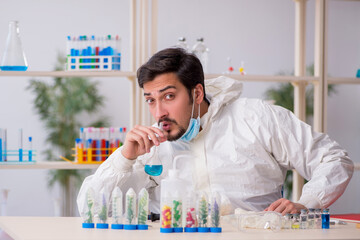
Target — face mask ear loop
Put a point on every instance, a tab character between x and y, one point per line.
192	110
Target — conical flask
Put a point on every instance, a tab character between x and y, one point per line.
14	58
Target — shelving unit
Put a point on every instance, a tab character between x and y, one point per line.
147	46
49	165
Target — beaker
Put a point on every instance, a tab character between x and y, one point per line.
153	166
14	57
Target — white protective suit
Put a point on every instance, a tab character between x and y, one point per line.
243	151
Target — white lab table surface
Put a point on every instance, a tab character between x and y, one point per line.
48	228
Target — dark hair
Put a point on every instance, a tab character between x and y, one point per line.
185	65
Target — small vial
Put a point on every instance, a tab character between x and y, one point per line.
303	219
311	218
117	208
143	209
295	221
215	225
103	211
287	221
325	219
203	213
130	210
318	218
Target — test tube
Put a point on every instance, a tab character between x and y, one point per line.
143	209
215	225
177	213
79	150
203	213
1	145
87	212
117	209
130	210
112	140
30	149
20	145
103	211
4	145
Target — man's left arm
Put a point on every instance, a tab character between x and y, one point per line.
314	155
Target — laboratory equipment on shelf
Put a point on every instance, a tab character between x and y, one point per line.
100	53
182	44
19	156
14	57
202	53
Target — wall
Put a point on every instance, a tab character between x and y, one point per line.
261	33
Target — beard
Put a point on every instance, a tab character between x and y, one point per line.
181	131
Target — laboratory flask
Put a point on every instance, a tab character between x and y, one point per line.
14	57
153	166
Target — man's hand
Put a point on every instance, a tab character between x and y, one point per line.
140	139
284	206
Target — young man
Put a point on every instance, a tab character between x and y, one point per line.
241	148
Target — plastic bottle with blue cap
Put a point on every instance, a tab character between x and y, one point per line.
130	210
173	189
103	211
87	212
143	209
215	205
117	208
190	212
203	212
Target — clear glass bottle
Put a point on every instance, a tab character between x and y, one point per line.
202	53
318	218
14	57
117	208
287	221
325	219
182	44
303	219
311	218
295	221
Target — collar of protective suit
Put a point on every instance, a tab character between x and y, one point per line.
220	91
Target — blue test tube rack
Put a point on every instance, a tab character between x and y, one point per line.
20	156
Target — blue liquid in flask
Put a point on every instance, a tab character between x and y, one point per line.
13	68
153	170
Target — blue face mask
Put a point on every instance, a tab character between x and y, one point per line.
194	126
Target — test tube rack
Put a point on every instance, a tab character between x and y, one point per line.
20	156
90	155
96	63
